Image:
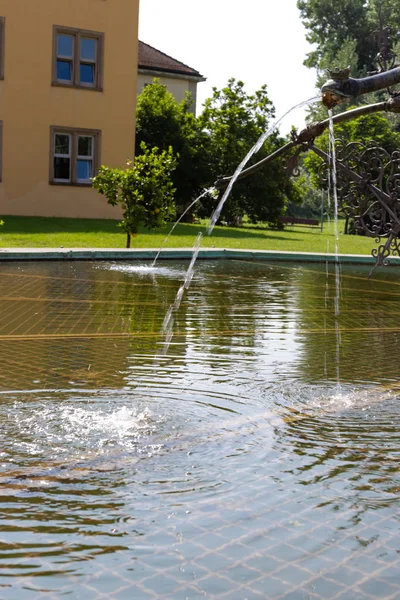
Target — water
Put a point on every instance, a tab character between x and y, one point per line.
168	322
332	155
236	469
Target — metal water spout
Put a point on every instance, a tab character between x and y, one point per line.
342	87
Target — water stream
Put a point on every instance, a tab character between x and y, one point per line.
332	156
168	321
210	191
217	212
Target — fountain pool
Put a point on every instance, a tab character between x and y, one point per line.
234	466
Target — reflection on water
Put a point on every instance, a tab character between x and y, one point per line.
235	467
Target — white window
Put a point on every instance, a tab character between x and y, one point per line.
75	155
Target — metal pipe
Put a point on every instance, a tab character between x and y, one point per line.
308	135
342	87
223	182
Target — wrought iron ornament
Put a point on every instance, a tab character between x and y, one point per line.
368	191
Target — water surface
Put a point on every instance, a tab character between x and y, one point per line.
233	466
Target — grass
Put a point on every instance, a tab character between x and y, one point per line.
41	232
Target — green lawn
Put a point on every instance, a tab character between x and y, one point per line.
39	232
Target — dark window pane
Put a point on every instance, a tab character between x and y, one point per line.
61	143
87	73
65	44
64	70
88	49
61	168
85	144
84	170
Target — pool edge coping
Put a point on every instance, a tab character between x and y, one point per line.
117	254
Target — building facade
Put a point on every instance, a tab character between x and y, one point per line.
68	84
177	77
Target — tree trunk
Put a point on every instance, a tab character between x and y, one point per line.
128	240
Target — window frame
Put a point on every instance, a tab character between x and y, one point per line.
76	61
75	133
2	45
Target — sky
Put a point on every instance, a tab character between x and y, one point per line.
256	41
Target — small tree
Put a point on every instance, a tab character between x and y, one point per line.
162	121
144	190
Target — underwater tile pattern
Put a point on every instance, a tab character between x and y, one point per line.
251	476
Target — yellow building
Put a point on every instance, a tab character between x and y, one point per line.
68	76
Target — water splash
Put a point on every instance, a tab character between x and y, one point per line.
80	429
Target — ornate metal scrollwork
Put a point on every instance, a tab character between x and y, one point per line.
291	164
368	191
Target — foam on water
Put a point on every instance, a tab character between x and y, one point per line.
321	400
144	270
74	427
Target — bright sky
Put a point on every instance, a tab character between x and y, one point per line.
257	41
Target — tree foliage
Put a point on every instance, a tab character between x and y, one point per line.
345	33
331	24
234	122
214	144
143	189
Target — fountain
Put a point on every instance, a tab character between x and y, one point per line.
368	178
232	467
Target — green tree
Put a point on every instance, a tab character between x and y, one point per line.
345	33
163	122
143	189
310	206
234	122
330	24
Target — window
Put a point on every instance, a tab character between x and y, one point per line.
2	45
78	58
75	155
1	150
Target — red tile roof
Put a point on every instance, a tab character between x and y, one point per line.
154	60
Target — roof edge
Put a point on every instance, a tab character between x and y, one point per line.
186	68
178	74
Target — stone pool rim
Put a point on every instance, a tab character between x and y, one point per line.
124	254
